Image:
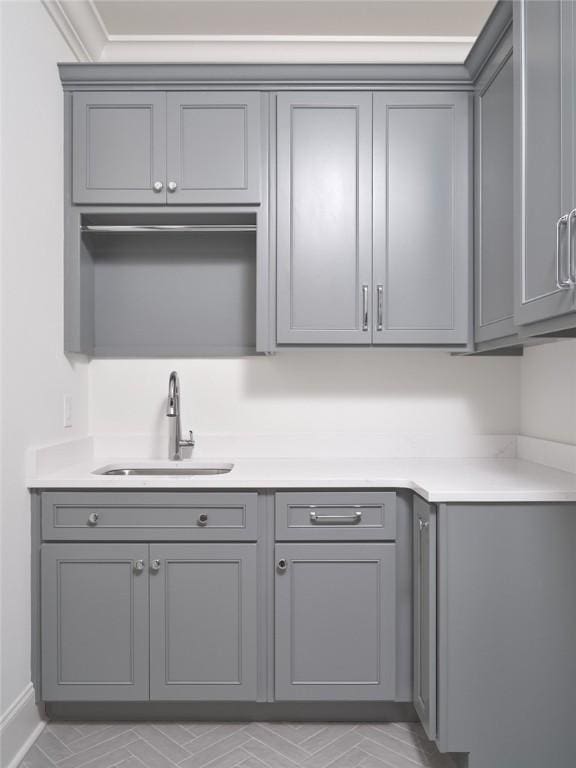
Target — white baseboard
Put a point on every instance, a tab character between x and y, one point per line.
20	726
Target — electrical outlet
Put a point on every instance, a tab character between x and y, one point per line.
67	410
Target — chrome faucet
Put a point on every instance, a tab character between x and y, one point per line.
173	411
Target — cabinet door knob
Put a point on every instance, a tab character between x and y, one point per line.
155	565
158	186
93	518
139	565
172	186
282	565
203	519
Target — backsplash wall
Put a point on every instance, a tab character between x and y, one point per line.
298	392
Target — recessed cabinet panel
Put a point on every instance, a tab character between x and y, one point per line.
214	147
544	111
495	201
203	621
421	218
323	218
335	621
119	148
425	662
94	622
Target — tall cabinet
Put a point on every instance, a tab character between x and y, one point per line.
545	216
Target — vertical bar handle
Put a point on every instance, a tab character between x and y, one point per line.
560	281
364	307
571	260
380	307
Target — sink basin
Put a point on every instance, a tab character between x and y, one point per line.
166	469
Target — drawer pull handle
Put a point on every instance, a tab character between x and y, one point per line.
155	565
282	565
139	565
352	519
93	518
423	524
203	519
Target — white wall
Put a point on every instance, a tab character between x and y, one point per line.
549	391
382	391
35	372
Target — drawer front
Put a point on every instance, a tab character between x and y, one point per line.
335	516
149	515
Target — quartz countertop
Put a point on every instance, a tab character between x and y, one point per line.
435	479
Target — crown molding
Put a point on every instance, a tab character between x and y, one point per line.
83	29
286	49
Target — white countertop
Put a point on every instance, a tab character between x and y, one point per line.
435	479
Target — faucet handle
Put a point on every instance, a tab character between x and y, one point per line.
190	442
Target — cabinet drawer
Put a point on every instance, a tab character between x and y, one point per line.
344	516
141	516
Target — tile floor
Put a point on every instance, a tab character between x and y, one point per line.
227	745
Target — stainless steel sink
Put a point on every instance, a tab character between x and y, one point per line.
177	469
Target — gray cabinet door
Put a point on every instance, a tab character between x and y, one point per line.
203	621
425	665
494	235
323	218
94	622
421	218
213	147
543	163
119	147
335	622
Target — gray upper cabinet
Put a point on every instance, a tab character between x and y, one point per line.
323	218
213	147
424	580
544	91
203	621
335	622
494	229
94	622
421	218
119	148
149	147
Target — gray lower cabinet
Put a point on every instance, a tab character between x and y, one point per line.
119	147
213	147
545	82
494	229
94	622
424	581
422	199
495	621
335	622
203	622
324	199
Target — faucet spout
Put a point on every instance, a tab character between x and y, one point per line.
173	412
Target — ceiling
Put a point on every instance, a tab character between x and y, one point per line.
294	17
276	31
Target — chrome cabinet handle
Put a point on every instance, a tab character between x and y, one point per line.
571	262
352	519
155	565
139	565
158	186
560	282
423	524
203	519
172	186
380	305
282	565
93	518
364	307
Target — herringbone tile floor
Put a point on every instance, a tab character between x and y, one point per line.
227	745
